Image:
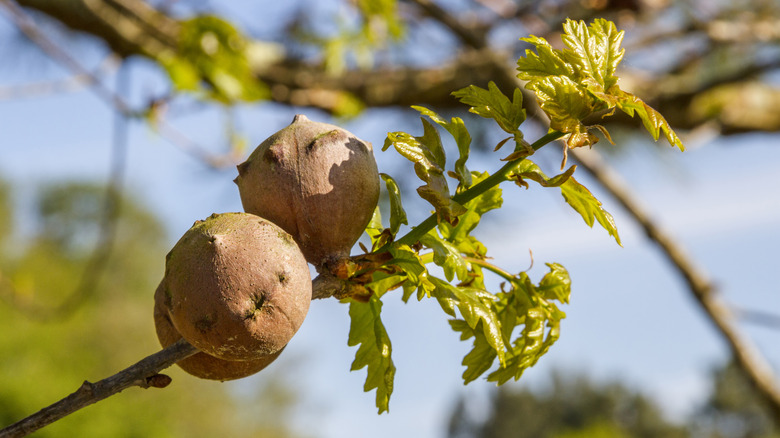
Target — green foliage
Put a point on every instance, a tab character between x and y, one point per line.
397	212
492	104
367	330
43	360
575	194
212	55
518	324
427	154
734	408
572	406
576	82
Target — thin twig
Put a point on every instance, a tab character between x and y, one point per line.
70	84
143	373
699	282
757	317
29	28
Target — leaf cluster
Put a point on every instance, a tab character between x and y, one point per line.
580	80
441	259
213	55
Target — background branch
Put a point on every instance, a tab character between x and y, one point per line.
699	282
135	28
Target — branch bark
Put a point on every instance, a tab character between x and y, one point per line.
699	282
143	373
134	28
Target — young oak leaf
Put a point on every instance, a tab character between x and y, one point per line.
427	155
459	235
475	306
654	122
594	51
366	329
397	212
525	305
482	355
458	130
493	104
583	201
447	256
540	317
556	284
581	81
575	194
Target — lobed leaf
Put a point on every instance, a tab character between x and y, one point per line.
493	104
474	306
428	157
366	329
653	121
527	169
460	234
581	81
397	212
446	255
481	357
458	130
583	201
556	284
526	305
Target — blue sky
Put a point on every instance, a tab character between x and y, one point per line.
630	317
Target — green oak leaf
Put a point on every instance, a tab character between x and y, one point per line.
580	81
474	305
366	329
458	131
493	104
460	234
527	169
428	157
397	212
446	255
556	284
583	201
481	357
653	121
575	194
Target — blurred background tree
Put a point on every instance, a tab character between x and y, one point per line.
110	328
711	67
571	406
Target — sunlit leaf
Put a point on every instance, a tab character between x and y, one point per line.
581	81
474	306
397	213
527	169
588	206
556	284
460	234
366	329
594	51
458	130
481	356
654	122
493	104
446	255
427	167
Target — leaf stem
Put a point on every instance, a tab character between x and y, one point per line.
491	267
472	192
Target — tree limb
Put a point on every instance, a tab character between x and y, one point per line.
699	282
144	374
133	27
